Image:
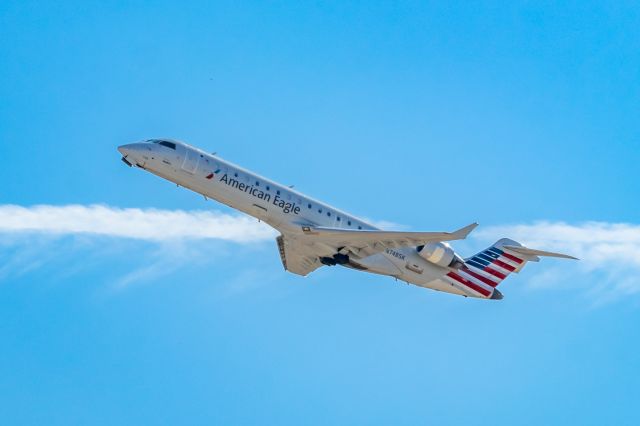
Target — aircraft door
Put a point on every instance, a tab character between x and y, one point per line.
191	159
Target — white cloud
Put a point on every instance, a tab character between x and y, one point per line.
141	224
48	237
387	225
597	243
609	252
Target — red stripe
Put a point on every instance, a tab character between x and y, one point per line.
469	284
508	262
510	257
504	265
495	273
480	277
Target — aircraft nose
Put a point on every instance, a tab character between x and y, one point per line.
129	153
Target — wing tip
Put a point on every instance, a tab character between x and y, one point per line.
462	233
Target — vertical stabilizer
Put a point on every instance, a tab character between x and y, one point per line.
481	274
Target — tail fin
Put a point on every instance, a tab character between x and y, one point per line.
483	272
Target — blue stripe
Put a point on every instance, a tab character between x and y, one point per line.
475	264
481	261
491	254
496	251
485	257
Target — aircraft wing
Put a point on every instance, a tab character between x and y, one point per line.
297	257
301	254
365	243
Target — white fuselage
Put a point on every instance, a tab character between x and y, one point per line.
281	207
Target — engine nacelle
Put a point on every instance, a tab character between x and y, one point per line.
439	253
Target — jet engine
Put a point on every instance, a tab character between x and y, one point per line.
439	253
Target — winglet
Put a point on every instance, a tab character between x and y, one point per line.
462	233
532	252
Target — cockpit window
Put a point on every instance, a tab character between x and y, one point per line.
163	143
167	144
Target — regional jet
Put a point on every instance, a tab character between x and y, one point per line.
313	234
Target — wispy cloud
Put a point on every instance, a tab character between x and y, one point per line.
141	224
43	236
609	253
598	243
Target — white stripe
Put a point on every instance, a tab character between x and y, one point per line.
514	254
475	280
485	274
462	287
509	262
499	269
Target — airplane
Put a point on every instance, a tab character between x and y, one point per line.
314	234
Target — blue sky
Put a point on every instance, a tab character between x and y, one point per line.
522	116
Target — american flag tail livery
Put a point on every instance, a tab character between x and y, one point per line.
480	274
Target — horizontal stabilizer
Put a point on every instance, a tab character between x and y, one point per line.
532	252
